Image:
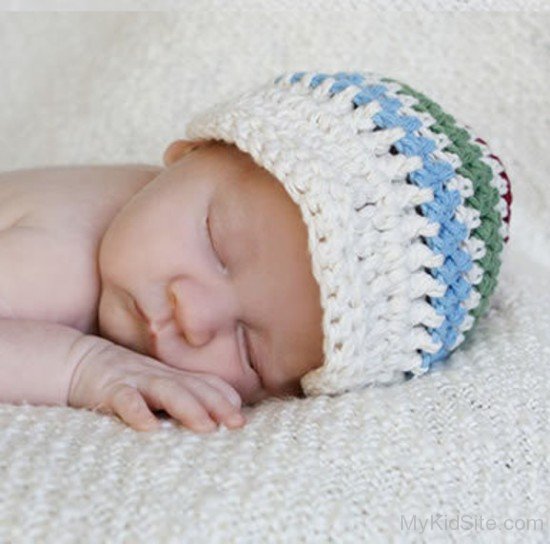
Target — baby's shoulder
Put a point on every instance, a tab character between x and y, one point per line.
70	196
51	223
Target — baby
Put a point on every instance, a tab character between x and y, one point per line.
313	236
185	289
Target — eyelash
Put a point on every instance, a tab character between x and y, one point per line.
224	269
209	233
248	353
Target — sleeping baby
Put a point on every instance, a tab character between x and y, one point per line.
315	235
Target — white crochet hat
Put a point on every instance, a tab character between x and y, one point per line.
406	212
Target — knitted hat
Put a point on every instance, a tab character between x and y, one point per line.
406	210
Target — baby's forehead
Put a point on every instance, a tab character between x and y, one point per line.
252	192
237	175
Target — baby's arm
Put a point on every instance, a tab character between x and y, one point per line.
47	363
37	361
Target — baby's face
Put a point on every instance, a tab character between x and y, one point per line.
209	257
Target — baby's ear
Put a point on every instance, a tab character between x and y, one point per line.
179	148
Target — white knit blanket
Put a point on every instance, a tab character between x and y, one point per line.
467	444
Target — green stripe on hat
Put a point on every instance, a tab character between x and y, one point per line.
485	196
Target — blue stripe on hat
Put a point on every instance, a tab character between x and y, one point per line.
434	174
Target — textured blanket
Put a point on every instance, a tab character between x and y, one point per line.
461	454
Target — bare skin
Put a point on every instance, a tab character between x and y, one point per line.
186	271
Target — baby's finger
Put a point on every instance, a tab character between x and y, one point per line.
129	405
180	403
217	403
221	385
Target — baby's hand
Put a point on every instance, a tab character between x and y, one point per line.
115	380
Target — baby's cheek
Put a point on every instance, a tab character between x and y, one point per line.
115	325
